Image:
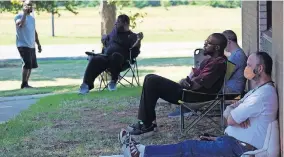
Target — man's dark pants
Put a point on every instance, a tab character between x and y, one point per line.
28	56
100	63
156	87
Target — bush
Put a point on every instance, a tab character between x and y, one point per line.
225	4
141	3
178	2
154	3
165	3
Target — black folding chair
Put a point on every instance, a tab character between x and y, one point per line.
201	110
129	66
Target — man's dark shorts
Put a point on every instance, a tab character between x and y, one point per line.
28	57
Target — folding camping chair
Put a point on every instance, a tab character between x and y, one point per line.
202	109
129	65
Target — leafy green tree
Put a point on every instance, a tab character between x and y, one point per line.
141	4
135	17
49	6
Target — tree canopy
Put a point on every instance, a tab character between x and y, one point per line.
54	6
49	6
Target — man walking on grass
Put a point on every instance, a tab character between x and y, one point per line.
26	36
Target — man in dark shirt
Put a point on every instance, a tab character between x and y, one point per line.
116	51
208	79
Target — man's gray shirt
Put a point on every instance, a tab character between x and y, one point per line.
25	35
237	81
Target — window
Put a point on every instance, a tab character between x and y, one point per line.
269	14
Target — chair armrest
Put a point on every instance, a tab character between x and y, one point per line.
94	54
191	91
233	93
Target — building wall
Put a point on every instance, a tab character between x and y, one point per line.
257	37
277	56
249	26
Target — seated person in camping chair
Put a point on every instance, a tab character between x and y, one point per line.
237	82
235	86
208	78
117	47
248	121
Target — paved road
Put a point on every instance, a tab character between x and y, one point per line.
165	49
12	106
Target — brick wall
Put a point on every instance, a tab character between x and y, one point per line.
265	36
250	26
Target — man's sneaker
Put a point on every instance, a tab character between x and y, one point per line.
84	89
26	86
137	126
144	130
112	86
176	113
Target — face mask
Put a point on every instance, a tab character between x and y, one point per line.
249	73
120	28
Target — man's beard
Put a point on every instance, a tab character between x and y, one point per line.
256	78
206	53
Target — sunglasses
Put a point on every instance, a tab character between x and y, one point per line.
209	43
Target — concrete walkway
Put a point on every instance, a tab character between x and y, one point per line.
12	106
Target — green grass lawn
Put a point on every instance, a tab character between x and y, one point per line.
174	24
76	125
40	90
75	68
68	73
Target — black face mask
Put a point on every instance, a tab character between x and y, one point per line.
120	28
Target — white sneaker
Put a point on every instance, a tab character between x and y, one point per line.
130	147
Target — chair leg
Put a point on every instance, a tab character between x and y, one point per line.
137	74
181	119
122	78
135	68
200	117
222	118
103	81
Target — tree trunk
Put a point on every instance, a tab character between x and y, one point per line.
108	16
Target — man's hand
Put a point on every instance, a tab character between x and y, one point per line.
245	124
39	48
184	83
227	111
140	36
